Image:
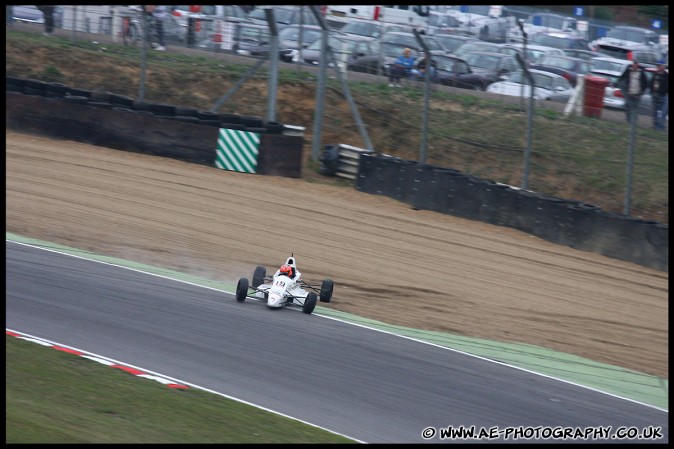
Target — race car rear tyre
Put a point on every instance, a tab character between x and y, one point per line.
309	303
326	290
242	289
258	276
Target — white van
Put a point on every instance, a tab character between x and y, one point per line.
413	15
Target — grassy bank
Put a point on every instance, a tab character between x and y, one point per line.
55	397
576	157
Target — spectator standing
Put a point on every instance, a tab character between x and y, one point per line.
401	68
660	95
48	12
158	14
633	84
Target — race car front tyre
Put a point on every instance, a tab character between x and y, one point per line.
309	303
242	290
326	290
258	276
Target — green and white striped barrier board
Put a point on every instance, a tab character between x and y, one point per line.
237	150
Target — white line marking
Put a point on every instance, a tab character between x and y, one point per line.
370	328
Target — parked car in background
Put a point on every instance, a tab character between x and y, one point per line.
533	52
560	40
30	14
482	21
372	29
409	40
474	46
289	40
492	67
361	54
442	22
634	52
229	13
455	72
547	86
621	36
253	40
582	54
451	42
544	23
568	67
284	16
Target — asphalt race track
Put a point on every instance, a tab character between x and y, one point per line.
368	385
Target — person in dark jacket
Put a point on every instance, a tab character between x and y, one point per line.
660	95
633	83
420	71
48	12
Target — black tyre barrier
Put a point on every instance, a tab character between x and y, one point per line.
657	235
167	117
235	126
216	123
99	104
580	221
163	109
147	113
187	112
274	127
186	118
102	96
57	88
451	187
14	87
230	118
423	195
14	80
549	217
252	129
78	92
141	106
471	204
408	174
328	159
33	91
500	199
524	208
76	99
53	95
365	181
251	121
205	115
14	84
35	85
122	100
121	109
574	223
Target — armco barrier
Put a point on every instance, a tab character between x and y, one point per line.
138	129
573	223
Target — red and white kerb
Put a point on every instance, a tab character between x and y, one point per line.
136	372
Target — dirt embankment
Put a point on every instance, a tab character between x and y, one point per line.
415	268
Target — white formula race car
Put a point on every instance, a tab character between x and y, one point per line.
284	288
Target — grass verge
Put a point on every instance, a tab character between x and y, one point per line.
55	397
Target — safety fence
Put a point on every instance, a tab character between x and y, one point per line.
582	158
